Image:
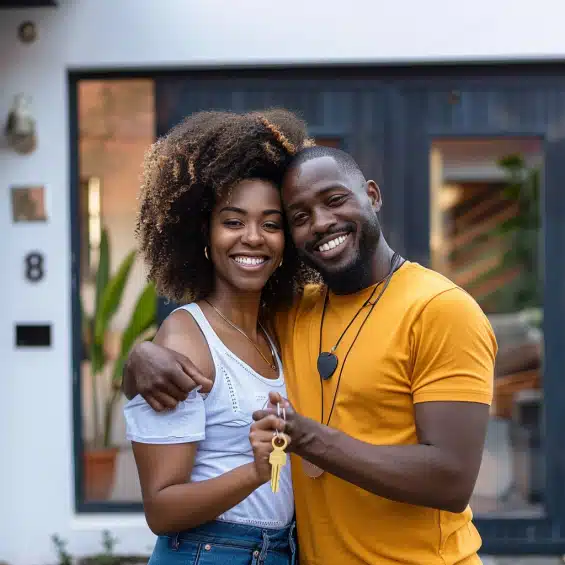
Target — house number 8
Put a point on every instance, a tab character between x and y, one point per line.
34	267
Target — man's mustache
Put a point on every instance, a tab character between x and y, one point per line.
310	246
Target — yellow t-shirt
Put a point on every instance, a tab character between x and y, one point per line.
425	340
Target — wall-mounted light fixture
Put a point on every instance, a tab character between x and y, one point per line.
27	32
20	126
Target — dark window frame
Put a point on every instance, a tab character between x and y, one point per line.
505	535
77	248
500	535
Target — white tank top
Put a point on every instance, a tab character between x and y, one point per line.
220	422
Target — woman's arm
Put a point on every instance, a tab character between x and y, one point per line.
171	502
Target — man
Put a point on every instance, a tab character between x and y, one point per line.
389	377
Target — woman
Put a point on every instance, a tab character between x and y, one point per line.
212	232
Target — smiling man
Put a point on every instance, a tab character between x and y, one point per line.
389	374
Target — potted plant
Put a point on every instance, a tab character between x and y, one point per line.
105	368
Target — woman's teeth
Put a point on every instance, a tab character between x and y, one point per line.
249	260
332	243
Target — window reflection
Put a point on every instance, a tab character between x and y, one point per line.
116	126
486	237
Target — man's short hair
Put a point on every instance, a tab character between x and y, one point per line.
344	160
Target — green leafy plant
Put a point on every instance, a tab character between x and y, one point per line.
520	237
107	556
523	231
108	542
63	556
109	291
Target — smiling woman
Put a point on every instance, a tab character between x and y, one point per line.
246	237
212	232
193	169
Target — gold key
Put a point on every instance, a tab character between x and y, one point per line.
277	459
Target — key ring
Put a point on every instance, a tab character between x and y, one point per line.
276	432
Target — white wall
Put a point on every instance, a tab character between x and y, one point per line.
36	469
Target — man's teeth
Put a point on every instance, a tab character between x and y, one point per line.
249	260
332	243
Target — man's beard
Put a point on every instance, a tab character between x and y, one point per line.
357	274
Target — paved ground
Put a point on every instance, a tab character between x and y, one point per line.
487	560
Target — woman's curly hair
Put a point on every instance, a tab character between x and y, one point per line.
186	171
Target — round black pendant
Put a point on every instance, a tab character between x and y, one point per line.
327	364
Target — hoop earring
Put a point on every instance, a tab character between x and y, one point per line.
280	264
206	253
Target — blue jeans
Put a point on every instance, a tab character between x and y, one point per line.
226	543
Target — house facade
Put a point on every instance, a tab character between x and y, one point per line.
458	112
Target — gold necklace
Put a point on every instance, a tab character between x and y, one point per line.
271	364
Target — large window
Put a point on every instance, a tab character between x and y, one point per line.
486	236
115	128
489	233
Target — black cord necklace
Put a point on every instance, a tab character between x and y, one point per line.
327	360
